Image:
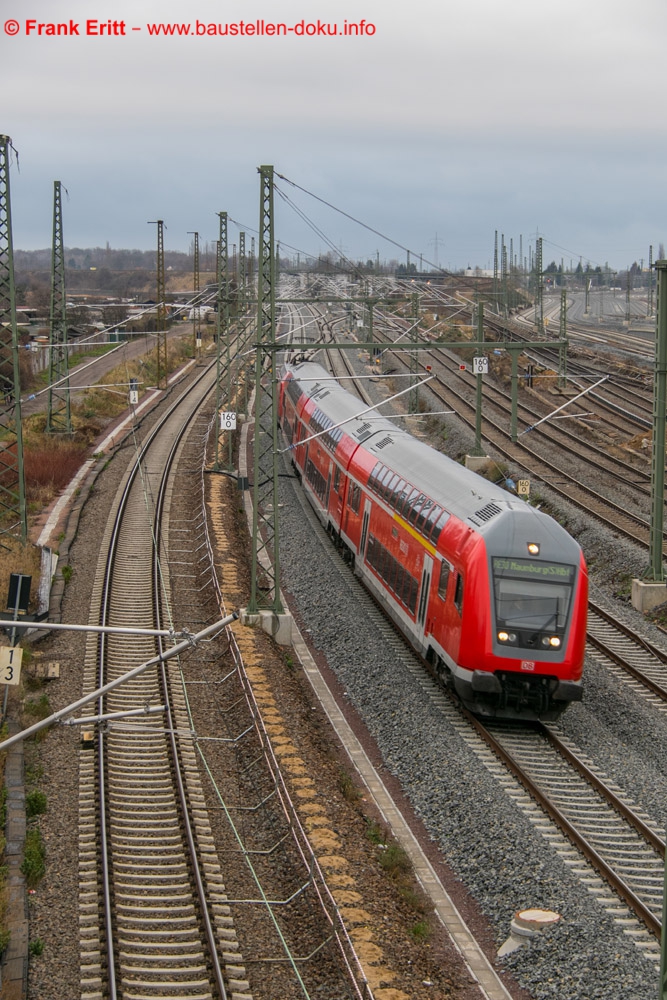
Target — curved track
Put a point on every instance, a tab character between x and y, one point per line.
157	887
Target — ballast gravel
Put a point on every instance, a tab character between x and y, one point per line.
487	841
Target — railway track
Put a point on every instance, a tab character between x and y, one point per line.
157	920
636	660
154	903
596	816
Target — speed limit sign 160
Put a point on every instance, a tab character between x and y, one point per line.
227	421
10	664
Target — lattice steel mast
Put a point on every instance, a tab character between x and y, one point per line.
223	334
539	296
242	275
265	564
13	510
160	309
196	330
58	413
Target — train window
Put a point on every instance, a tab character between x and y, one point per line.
412	595
407	506
402	495
336	482
316	479
439	525
415	508
373	478
399	580
354	497
397	491
445	570
405	589
393	574
423	514
433	515
384	482
458	594
391	489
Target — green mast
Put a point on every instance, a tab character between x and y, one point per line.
265	564
13	509
160	309
58	414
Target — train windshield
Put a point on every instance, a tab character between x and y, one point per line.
532	595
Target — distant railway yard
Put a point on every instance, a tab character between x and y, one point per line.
308	809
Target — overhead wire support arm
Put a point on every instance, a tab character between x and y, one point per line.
553	413
180	647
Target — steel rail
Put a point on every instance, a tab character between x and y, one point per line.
631	817
105	606
570	830
204	915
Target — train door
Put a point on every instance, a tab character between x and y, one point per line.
427	572
364	527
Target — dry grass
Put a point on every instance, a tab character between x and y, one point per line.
49	466
18	558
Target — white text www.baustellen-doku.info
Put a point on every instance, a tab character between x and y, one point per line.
95	28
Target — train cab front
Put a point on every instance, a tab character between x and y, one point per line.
538	629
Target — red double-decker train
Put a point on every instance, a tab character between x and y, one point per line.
490	591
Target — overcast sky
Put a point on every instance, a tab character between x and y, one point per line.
448	122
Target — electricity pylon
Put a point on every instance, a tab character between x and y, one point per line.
265	562
58	413
13	509
223	334
160	309
196	331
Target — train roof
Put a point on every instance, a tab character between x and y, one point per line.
463	493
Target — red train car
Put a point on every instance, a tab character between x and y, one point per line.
491	591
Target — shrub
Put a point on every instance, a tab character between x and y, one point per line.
376	833
348	788
35	803
394	860
39	709
420	931
34	857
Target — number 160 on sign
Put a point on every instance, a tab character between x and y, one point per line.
227	421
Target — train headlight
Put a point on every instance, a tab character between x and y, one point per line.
534	548
507	637
551	641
